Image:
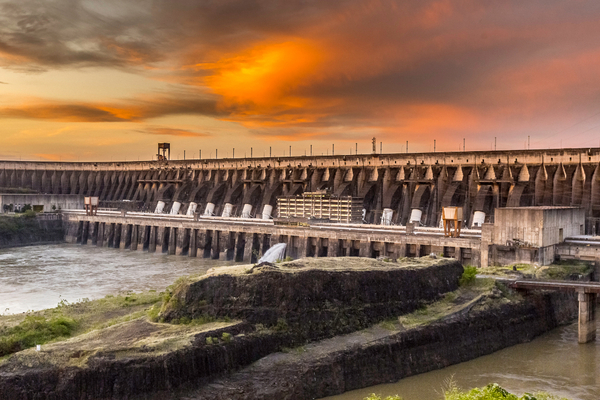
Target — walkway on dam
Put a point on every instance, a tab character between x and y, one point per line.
243	239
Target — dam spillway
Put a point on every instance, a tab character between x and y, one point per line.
478	181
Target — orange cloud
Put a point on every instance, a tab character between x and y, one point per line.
266	76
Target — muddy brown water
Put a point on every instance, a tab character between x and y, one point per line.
553	362
38	277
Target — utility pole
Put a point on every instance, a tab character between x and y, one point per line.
463	144
434	145
200	154
494	143
250	152
269	151
233	153
290	151
184	154
407	146
332	149
380	147
216	153
356	151
374	142
311	150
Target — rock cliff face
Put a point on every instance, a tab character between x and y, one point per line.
376	356
317	298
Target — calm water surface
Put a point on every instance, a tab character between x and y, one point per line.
38	277
553	362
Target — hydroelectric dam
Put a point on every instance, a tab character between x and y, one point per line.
222	208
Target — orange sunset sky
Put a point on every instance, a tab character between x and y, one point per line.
102	80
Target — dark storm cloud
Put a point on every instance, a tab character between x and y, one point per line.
132	110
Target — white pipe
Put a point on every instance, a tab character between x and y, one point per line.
227	210
210	208
478	218
246	210
175	208
386	216
415	215
267	210
191	209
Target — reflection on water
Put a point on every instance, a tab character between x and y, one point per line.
554	362
38	277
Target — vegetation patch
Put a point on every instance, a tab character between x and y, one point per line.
492	391
477	294
560	270
34	330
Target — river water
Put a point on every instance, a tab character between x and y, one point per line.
38	277
553	362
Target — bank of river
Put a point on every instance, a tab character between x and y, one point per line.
553	362
35	277
38	277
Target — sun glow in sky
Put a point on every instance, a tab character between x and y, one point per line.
87	80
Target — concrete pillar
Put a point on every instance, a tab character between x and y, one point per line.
487	232
216	245
417	250
160	237
300	245
116	243
248	247
587	323
193	250
85	233
401	250
334	248
125	241
152	239
173	234
228	252
458	254
135	237
240	245
100	234
144	237
109	235
365	249
182	241
92	233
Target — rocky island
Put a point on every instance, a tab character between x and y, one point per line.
302	329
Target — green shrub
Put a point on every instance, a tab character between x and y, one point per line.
374	396
209	340
281	325
34	330
468	275
226	337
492	391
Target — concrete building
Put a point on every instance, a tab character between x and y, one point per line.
530	234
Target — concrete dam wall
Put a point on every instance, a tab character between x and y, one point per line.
478	181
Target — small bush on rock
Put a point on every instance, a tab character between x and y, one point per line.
468	275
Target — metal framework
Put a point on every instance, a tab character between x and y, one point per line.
318	205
